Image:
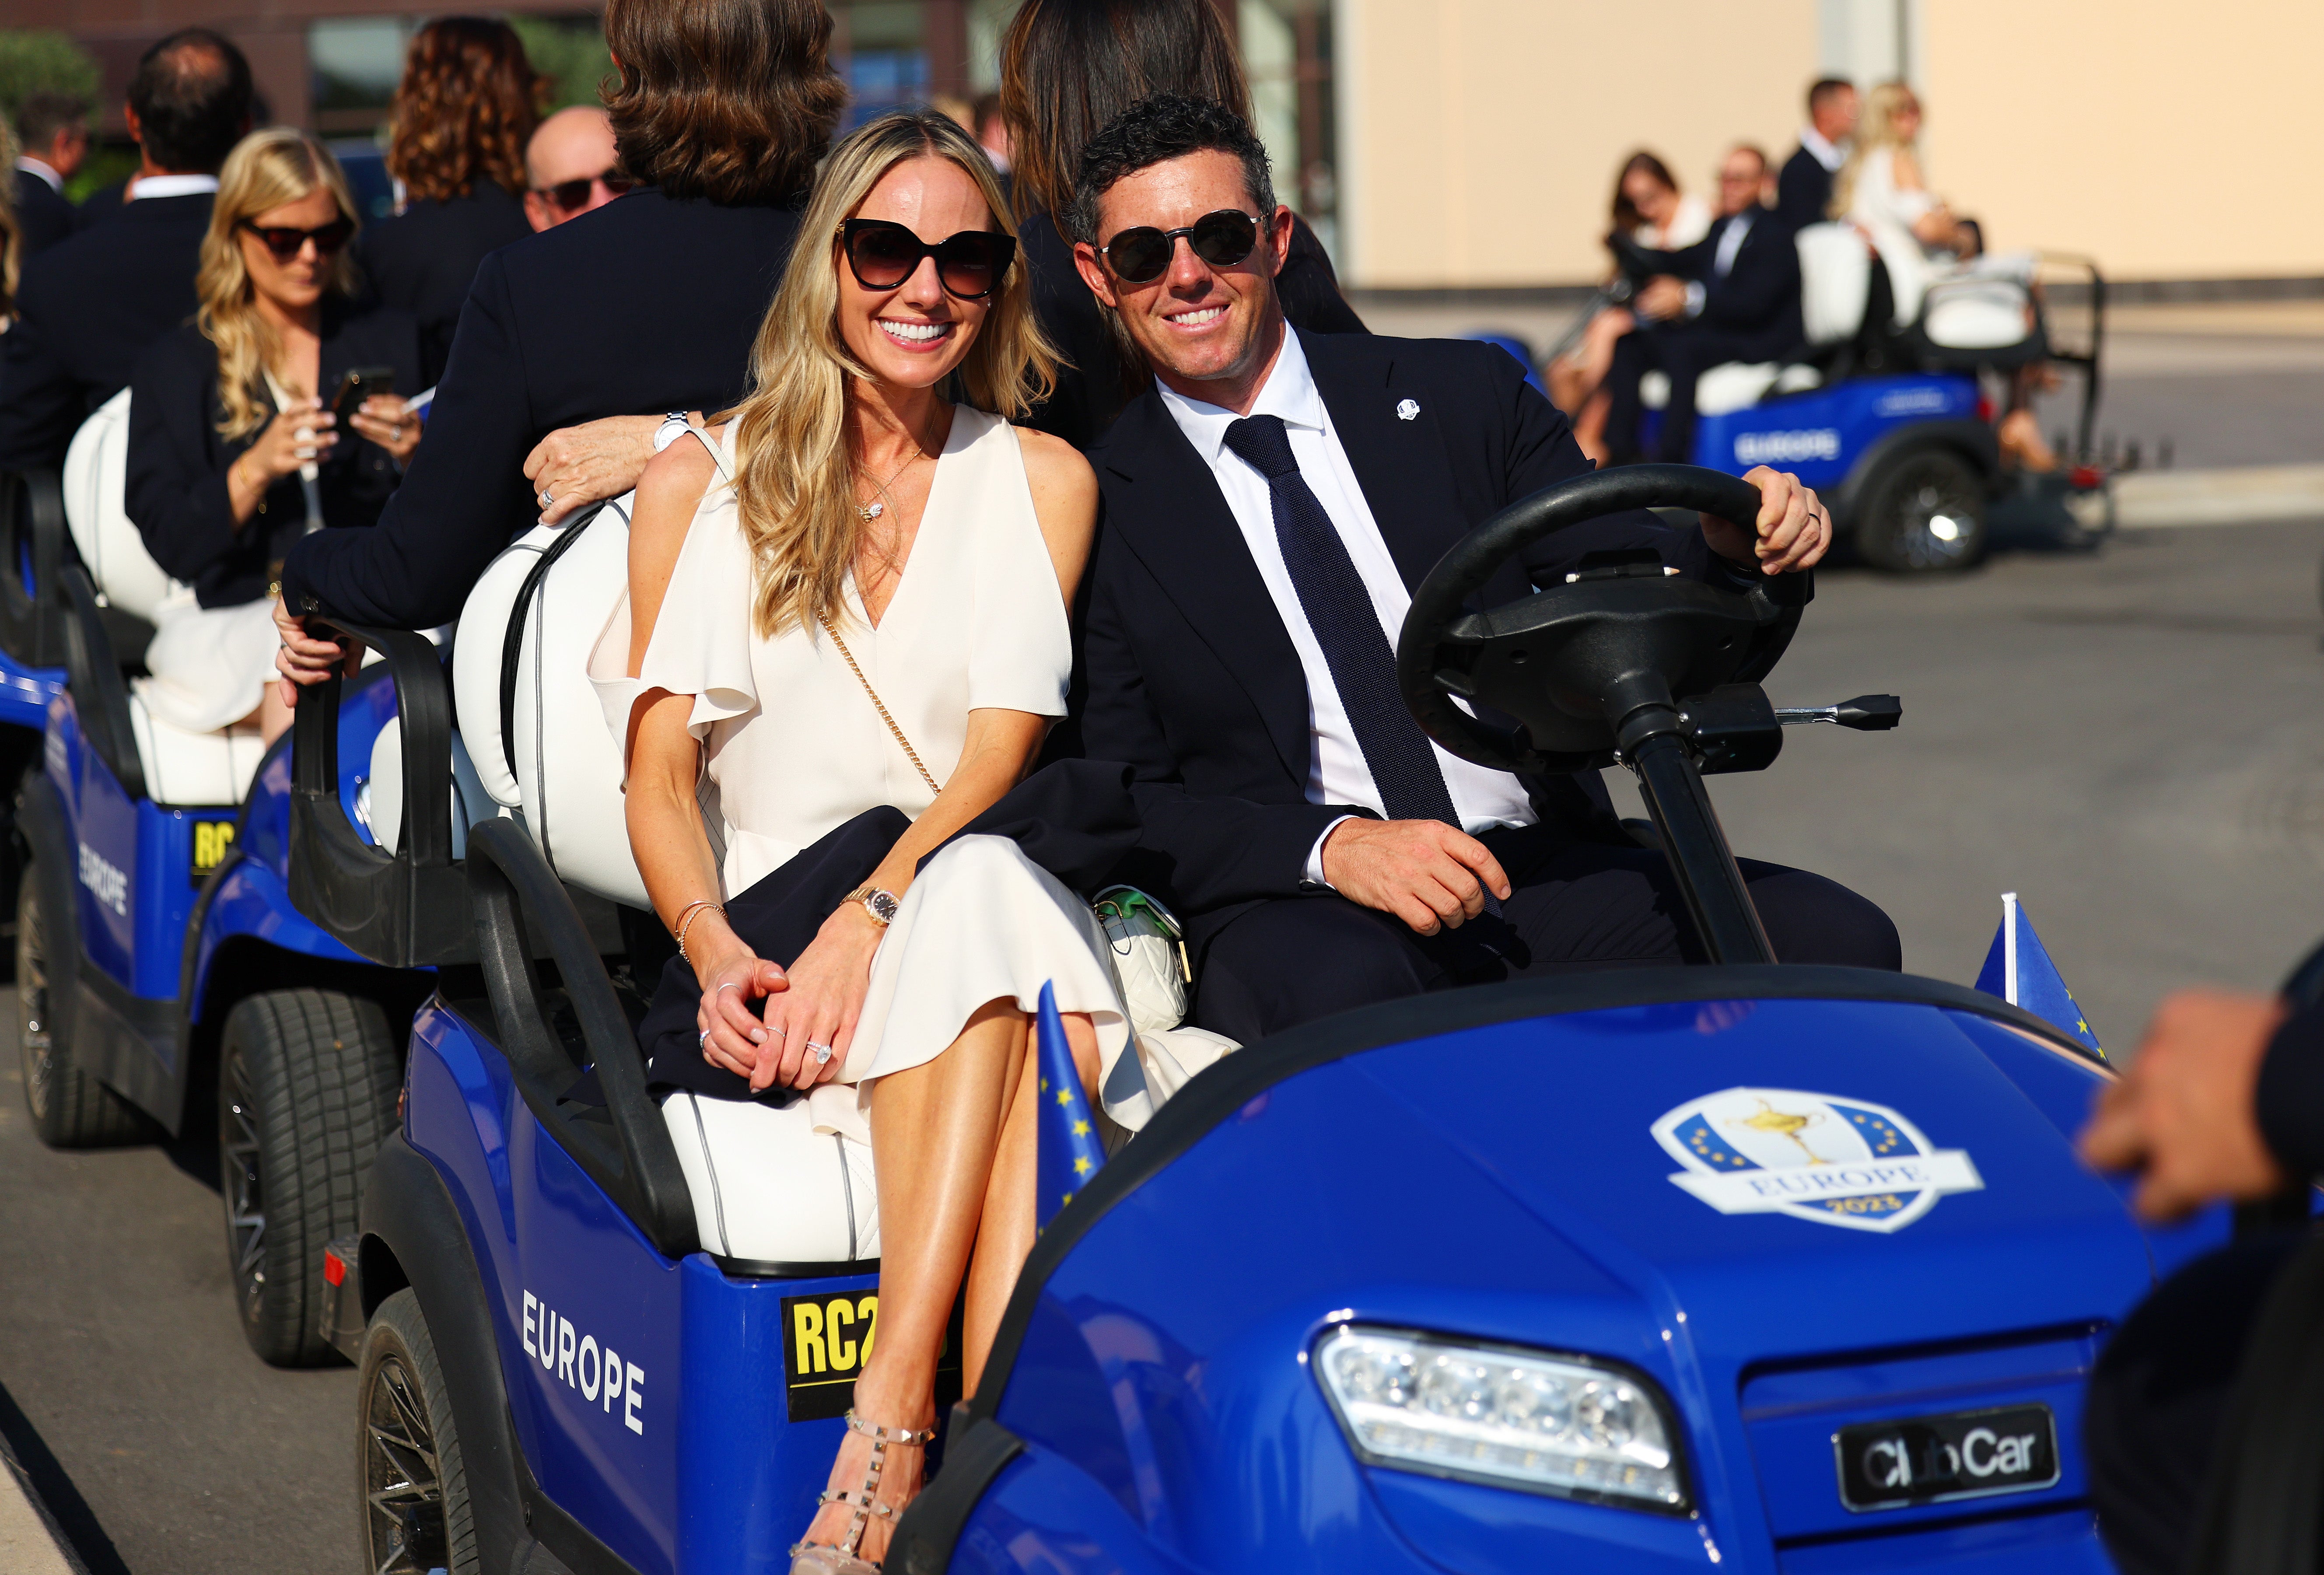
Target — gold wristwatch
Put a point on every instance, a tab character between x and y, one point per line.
881	905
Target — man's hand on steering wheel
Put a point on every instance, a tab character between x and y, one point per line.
1794	528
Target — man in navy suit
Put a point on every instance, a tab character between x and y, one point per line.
90	305
1270	503
1732	296
1805	190
52	128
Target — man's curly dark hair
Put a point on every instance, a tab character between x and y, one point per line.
1154	130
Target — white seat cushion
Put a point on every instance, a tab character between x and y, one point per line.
1733	386
565	781
193	768
378	802
1835	281
96	486
768	1186
1798	378
1976	314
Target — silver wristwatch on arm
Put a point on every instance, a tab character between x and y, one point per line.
673	426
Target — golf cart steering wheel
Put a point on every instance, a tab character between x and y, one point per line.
1570	663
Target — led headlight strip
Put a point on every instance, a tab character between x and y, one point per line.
1563	1425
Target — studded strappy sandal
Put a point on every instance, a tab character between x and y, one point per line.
824	1559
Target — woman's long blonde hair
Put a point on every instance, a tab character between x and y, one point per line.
266	170
794	476
1877	127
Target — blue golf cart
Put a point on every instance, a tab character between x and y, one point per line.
161	965
1894	423
1740	1265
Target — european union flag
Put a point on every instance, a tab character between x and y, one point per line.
2019	970
1070	1150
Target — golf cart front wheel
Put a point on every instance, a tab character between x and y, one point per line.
70	1108
1925	514
307	1083
416	1514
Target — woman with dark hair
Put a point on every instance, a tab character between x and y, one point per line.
649	304
463	113
1068	67
1649	208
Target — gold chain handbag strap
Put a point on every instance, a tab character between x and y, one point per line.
904	743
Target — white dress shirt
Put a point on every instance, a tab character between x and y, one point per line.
1822	150
1336	771
146	186
32	166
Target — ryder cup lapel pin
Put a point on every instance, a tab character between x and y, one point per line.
1407	409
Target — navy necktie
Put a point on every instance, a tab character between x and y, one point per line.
1347	626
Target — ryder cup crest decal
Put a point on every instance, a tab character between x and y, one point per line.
1814	1156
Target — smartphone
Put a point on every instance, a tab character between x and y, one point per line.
358	384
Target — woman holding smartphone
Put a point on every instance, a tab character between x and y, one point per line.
278	410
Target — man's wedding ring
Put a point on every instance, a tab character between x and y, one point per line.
702	1040
730	984
822	1053
547	499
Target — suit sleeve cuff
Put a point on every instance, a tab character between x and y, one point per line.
1313	873
2290	1095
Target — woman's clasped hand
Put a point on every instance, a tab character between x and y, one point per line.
302	433
387	420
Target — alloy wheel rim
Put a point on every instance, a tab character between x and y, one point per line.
34	1033
1928	493
241	1183
403	1493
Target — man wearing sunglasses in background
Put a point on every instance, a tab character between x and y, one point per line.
1271	501
570	167
90	306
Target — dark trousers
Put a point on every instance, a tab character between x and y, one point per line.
1682	352
2159	1394
1576	906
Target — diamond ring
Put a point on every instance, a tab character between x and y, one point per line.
822	1053
547	499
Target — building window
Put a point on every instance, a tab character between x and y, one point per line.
355	66
1287	53
881	48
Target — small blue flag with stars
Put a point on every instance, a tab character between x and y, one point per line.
2019	970
1070	1150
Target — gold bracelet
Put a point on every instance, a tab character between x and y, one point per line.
686	918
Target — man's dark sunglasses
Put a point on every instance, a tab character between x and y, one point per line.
971	264
1142	255
285	243
570	195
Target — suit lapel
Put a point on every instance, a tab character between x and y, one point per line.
1398	460
1173	517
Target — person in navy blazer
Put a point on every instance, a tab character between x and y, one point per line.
1732	296
52	129
576	342
90	306
1263	826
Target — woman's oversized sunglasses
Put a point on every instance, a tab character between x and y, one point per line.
285	243
1142	255
882	254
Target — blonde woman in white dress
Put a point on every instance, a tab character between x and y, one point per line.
849	534
1882	191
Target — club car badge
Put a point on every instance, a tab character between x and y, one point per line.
1813	1156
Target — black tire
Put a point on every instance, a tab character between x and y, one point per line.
1918	497
413	1485
70	1108
306	1085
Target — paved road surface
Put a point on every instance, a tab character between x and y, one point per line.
2131	740
150	1429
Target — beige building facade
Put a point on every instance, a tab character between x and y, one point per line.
1477	140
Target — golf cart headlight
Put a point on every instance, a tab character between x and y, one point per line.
1549	1424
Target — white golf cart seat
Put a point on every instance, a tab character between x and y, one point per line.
563	782
768	1187
180	767
1958	321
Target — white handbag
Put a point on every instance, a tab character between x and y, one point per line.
1149	957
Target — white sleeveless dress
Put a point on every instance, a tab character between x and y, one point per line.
795	749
